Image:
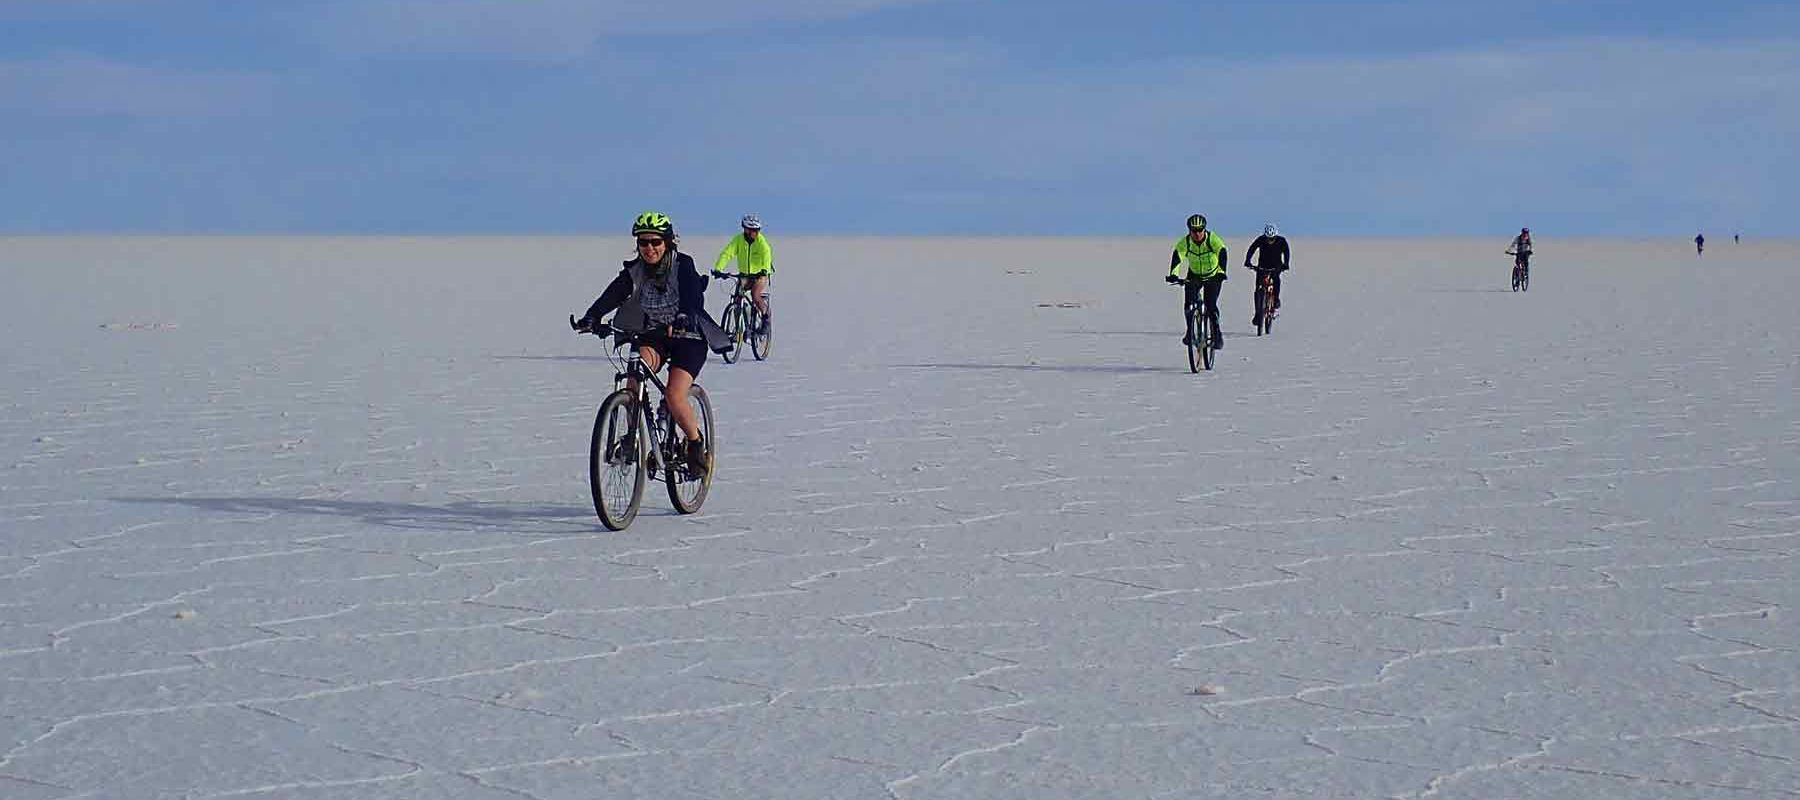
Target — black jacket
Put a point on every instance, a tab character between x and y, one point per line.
1271	253
621	296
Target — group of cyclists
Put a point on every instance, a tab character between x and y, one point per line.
1199	262
659	297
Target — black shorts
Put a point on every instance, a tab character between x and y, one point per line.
688	354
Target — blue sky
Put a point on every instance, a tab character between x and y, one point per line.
1409	118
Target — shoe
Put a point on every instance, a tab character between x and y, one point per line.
1255	320
1218	343
1186	339
697	461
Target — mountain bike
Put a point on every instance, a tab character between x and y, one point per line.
635	438
743	321
1265	302
1521	274
1199	330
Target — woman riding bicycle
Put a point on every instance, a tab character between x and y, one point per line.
661	303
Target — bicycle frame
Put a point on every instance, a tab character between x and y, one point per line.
633	368
741	290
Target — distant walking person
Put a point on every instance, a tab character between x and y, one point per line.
755	262
1203	254
1699	243
1734	238
1271	256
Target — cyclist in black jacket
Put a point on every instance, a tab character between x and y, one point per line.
1270	251
661	302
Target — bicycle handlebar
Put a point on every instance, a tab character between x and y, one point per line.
597	329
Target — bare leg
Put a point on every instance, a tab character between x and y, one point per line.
680	380
651	358
759	286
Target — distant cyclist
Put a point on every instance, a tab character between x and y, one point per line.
755	261
661	300
1271	256
1699	244
1202	254
1520	250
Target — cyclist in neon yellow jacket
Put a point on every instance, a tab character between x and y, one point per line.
1202	254
755	260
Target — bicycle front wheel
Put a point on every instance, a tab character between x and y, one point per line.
1193	339
1206	340
763	338
1265	308
733	323
688	483
616	462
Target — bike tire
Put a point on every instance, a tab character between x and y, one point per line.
1206	348
687	490
733	323
1525	281
762	339
616	475
1193	338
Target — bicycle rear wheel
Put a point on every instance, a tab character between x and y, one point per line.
1525	279
762	339
733	323
688	483
616	462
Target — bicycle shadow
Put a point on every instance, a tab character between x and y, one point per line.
464	514
601	359
1075	368
1176	334
1465	291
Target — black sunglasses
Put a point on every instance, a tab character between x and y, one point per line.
651	242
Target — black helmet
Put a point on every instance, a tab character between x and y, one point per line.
1197	222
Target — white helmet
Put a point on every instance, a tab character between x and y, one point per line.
1270	230
750	222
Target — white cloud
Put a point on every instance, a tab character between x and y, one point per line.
1621	127
555	30
80	85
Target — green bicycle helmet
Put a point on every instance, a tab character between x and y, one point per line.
653	222
1197	222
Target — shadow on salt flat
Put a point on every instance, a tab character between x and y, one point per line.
600	359
1177	333
1043	367
462	514
1502	290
